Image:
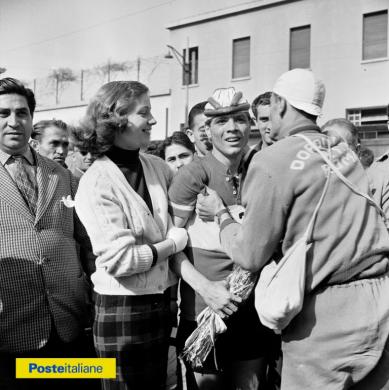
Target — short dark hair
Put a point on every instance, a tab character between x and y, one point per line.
260	100
178	138
40	127
106	115
194	111
154	148
9	85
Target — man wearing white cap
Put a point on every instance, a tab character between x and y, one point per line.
241	351
339	338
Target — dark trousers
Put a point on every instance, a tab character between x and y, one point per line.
82	347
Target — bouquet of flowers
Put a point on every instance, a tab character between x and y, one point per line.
209	324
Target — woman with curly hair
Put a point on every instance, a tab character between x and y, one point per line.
122	201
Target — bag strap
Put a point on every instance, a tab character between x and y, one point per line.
340	175
308	233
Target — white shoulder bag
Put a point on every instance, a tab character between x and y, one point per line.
279	294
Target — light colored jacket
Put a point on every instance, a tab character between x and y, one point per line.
120	226
282	188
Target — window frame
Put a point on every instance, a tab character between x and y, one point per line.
193	75
372	14
238	77
300	28
366	130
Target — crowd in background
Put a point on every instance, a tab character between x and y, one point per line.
100	225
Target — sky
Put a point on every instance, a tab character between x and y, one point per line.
37	36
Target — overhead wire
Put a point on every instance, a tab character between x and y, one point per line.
64	35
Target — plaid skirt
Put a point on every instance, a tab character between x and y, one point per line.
135	330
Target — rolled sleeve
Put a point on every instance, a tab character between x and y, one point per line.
186	185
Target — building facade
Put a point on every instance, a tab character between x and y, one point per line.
345	42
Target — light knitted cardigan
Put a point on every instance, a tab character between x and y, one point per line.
120	224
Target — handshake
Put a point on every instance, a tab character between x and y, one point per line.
179	236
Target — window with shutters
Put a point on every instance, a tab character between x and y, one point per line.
190	72
375	35
300	47
241	57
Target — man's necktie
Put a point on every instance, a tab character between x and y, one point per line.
26	183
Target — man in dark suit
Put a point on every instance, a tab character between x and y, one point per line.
43	289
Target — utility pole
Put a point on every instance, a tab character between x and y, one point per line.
56	89
82	85
137	68
183	60
187	77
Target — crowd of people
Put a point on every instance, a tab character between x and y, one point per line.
95	242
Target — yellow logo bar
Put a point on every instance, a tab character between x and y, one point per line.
65	368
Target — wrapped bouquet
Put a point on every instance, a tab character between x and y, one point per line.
209	324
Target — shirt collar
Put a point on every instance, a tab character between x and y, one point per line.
300	129
221	167
28	155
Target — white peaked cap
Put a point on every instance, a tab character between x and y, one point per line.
302	90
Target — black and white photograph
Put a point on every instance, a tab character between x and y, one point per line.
194	194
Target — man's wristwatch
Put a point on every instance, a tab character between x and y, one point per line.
219	214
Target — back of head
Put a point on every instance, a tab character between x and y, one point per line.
10	85
344	129
40	127
107	114
301	89
260	100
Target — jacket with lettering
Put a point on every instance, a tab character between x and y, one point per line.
350	239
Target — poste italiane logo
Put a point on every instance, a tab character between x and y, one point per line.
65	368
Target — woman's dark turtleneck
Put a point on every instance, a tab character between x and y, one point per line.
129	163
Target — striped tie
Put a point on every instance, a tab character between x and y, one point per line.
26	183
